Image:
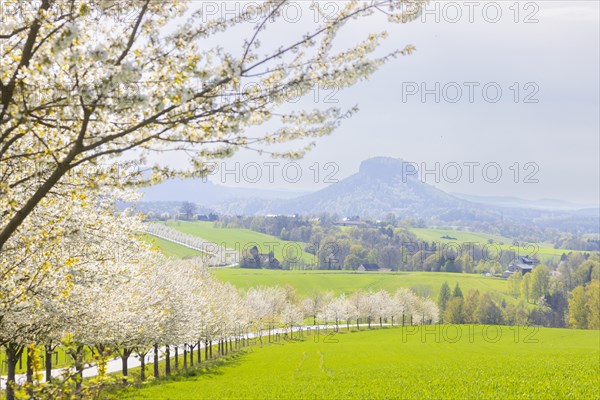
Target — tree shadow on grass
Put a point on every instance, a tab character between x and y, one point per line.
206	369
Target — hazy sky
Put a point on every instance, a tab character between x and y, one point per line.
551	129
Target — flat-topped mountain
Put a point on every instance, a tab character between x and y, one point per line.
382	185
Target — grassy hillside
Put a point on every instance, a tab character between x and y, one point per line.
442	362
171	249
239	239
541	251
424	283
235	238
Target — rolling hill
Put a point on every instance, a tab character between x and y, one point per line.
243	239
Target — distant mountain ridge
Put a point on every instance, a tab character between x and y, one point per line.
382	185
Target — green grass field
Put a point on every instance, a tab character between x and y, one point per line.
482	362
542	251
171	249
237	239
423	283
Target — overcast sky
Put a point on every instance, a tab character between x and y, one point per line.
551	130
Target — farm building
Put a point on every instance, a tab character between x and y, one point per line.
522	264
368	267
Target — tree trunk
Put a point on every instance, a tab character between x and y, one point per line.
206	349
142	366
191	355
199	351
156	373
124	369
49	349
184	356
79	366
380	322
176	358
11	376
167	360
29	368
13	354
124	363
357	327
211	346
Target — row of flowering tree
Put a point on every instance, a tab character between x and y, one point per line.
176	308
64	270
90	280
403	307
83	82
213	253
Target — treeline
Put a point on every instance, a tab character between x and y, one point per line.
564	293
527	225
373	243
588	242
478	308
566	297
298	228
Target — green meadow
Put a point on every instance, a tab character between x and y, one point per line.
239	239
434	362
541	251
305	282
